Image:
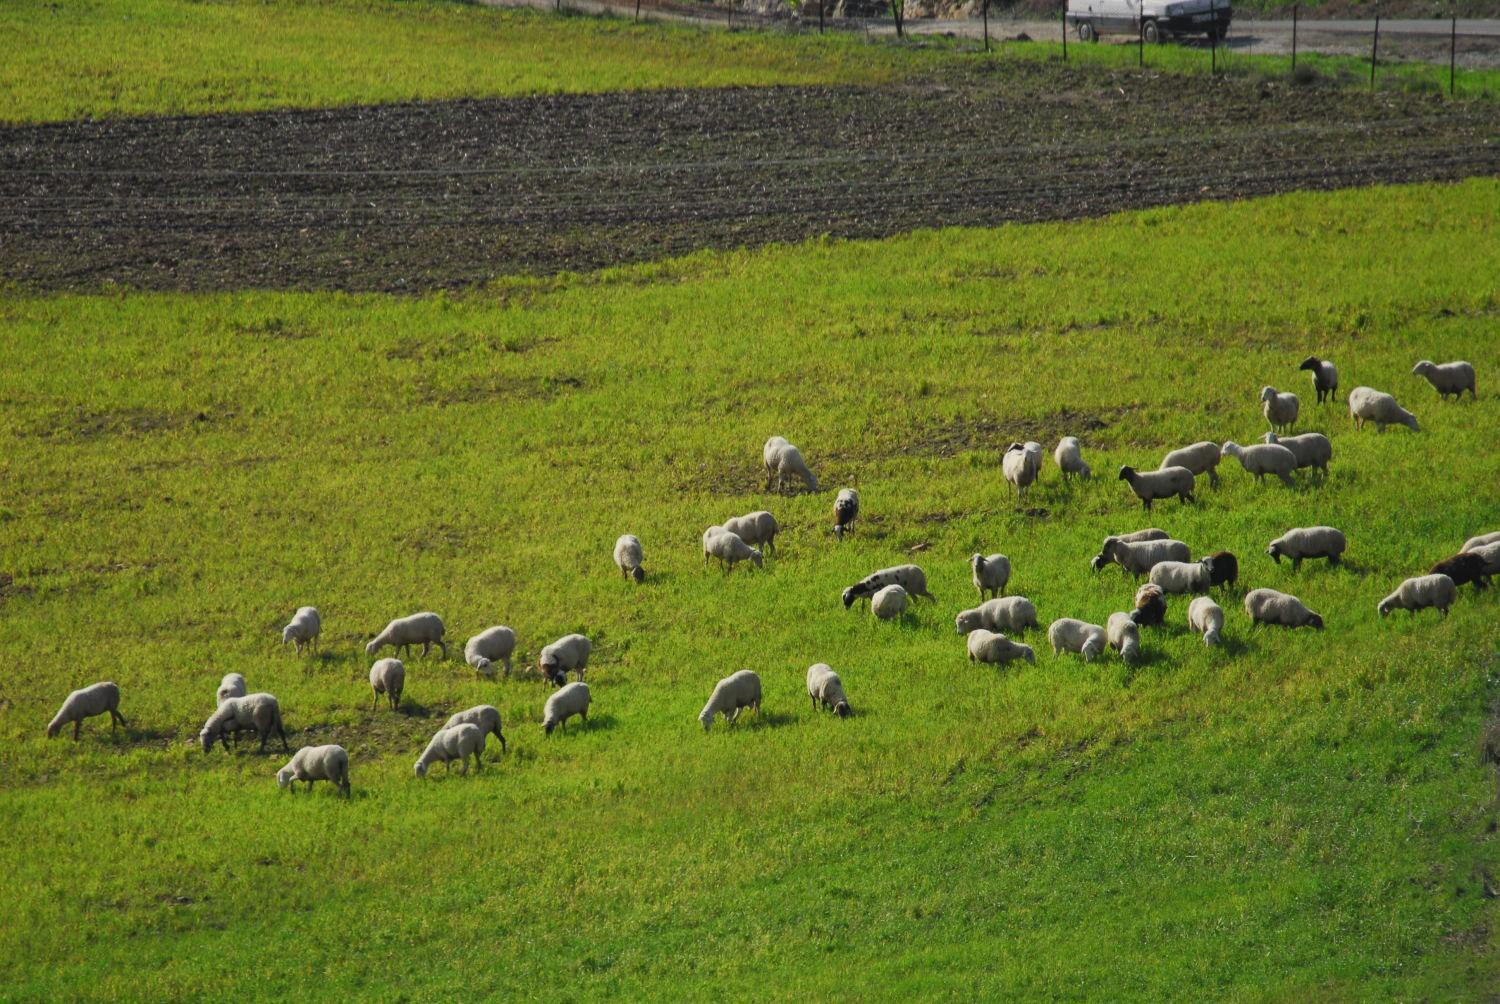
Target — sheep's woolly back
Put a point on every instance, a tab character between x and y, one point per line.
1200	458
1475	543
485	716
1123	636
889	602
1067	634
493	644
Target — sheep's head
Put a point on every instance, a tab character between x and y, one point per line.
849	597
1423	368
976	561
706	716
484	666
638	573
1314	620
1269	437
1084	470
1127	473
1267	393
1027	654
1410	421
206	738
1310	363
373	647
285	776
1097	562
755	557
53	728
1386	605
1230	449
286	634
421	767
842	709
1274	550
966	621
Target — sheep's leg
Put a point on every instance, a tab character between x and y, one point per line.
375	703
1147	504
1213	478
1296	564
731	719
77	726
1286	479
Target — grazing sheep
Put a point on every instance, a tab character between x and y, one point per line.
95	699
233	685
1280	409
450	744
253	711
783	461
1010	613
486	716
1200	458
827	690
1489	554
1150	606
1206	618
1069	457
1181	576
568	701
388	677
1139	557
845	512
1223	568
731	694
988	646
1151	485
570	653
1367	405
1311	449
1123	636
1304	542
1020	467
425	629
317	763
1261	459
628	557
1475	543
989	573
1419	593
1462	569
758	529
1267	606
1067	634
729	549
303	629
908	577
889	603
492	645
1325	377
1447	378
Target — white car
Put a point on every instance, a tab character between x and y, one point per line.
1153	20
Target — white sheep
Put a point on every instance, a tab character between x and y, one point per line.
492	645
1268	606
1020	468
1069	457
1008	613
1181	576
1067	634
628	557
1140	556
729	549
1200	458
1311	449
845	512
989	573
731	694
486	716
570	653
889	603
992	647
303	629
1489	554
1475	543
1261	459
447	745
95	699
1325	377
425	629
317	763
1419	593
1447	378
574	699
782	461
388	677
1280	409
233	685
1368	405
1206	618
1160	484
827	690
241	714
1123	636
1304	542
758	529
908	577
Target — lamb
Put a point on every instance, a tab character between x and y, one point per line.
1011	613
568	653
1150	606
492	645
1181	576
1139	557
889	603
782	461
1162	484
450	744
845	512
1267	606
1069	457
1304	542
758	529
486	716
233	685
1367	405
253	711
1020	467
1280	409
1200	458
95	699
628	557
1311	449
425	629
1475	543
1261	459
1325	377
729	549
908	577
1071	635
388	677
731	694
568	701
827	690
317	763
991	647
1447	378
1462	569
989	573
1207	618
1419	593
1123	636
303	629
1223	568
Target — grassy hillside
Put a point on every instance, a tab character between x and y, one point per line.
1293	815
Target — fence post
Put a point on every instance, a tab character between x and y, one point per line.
986	25
821	5
1213	38
638	10
1294	38
1452	53
897	10
1065	30
1374	49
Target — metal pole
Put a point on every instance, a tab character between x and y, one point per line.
1140	42
986	25
821	5
1294	38
1065	31
730	10
1452	54
1213	38
1374	49
637	10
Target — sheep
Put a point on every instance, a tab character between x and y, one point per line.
1279	408
1206	617
1447	378
425	629
1223	568
731	694
783	460
233	685
1304	542
1200	458
317	763
492	645
1368	405
758	529
908	577
991	647
1139	557
1261	459
1123	636
989	573
1150	606
1311	449
1267	606
1069	457
628	557
1010	613
568	653
1419	593
1462	569
1475	543
95	699
486	716
388	677
729	549
827	690
450	744
1020	468
1181	576
303	629
253	711
1325	377
845	512
571	700
889	603
1161	484
1489	554
1072	635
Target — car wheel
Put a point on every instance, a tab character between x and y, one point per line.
1151	33
1086	32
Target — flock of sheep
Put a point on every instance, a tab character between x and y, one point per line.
1165	563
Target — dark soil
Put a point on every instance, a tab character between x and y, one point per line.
413	197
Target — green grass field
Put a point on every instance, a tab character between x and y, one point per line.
1294	815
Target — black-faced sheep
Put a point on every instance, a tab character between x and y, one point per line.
1325	377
